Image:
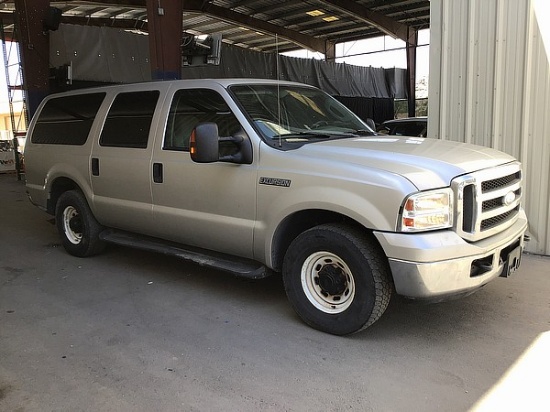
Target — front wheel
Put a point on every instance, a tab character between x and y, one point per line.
77	226
337	278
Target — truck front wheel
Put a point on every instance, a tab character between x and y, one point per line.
337	278
77	226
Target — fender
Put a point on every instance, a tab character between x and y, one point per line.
352	199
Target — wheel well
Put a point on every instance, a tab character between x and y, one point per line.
59	186
298	223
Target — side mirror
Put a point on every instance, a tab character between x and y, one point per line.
371	124
204	145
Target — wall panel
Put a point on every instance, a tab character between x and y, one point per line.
493	89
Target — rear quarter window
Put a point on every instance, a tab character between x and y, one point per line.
129	120
67	120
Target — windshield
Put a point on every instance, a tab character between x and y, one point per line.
297	114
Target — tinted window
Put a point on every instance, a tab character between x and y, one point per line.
67	120
191	107
409	129
129	120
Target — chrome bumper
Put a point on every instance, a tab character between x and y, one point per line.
446	265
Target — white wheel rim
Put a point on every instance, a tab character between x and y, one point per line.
328	282
69	214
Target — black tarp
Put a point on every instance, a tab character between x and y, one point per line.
378	109
337	79
107	55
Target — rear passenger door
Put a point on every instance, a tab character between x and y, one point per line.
121	162
212	205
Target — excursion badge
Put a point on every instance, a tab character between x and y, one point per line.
272	181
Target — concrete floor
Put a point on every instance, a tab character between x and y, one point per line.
133	331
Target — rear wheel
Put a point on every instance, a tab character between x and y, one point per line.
337	278
77	226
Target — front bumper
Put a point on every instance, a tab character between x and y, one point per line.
440	265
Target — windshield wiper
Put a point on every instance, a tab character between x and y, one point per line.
304	135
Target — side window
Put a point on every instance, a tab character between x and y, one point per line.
67	120
129	120
191	107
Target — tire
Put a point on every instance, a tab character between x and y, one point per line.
337	278
77	226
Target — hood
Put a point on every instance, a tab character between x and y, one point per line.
426	163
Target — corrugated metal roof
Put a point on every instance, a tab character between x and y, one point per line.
331	21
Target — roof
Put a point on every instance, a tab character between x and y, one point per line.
187	83
261	25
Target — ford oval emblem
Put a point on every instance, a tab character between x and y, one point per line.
509	198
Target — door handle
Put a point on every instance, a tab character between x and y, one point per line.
95	166
157	173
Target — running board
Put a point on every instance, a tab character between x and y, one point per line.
238	266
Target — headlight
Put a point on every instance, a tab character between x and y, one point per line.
427	211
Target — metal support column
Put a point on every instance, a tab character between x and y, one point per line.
412	42
165	31
35	49
330	51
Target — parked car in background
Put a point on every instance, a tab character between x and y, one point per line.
409	126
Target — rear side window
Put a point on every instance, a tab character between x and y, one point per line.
67	120
129	120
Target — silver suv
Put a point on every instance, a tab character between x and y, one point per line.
257	177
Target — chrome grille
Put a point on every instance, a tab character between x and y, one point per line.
488	201
497	220
500	182
492	204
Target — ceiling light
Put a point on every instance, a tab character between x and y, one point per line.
330	18
315	13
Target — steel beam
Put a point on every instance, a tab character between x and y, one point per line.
165	30
383	23
412	42
230	16
34	47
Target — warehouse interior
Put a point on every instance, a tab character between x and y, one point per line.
470	98
72	32
131	331
102	42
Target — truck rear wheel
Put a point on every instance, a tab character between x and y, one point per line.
337	278
77	226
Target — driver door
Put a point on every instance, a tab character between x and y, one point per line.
213	205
